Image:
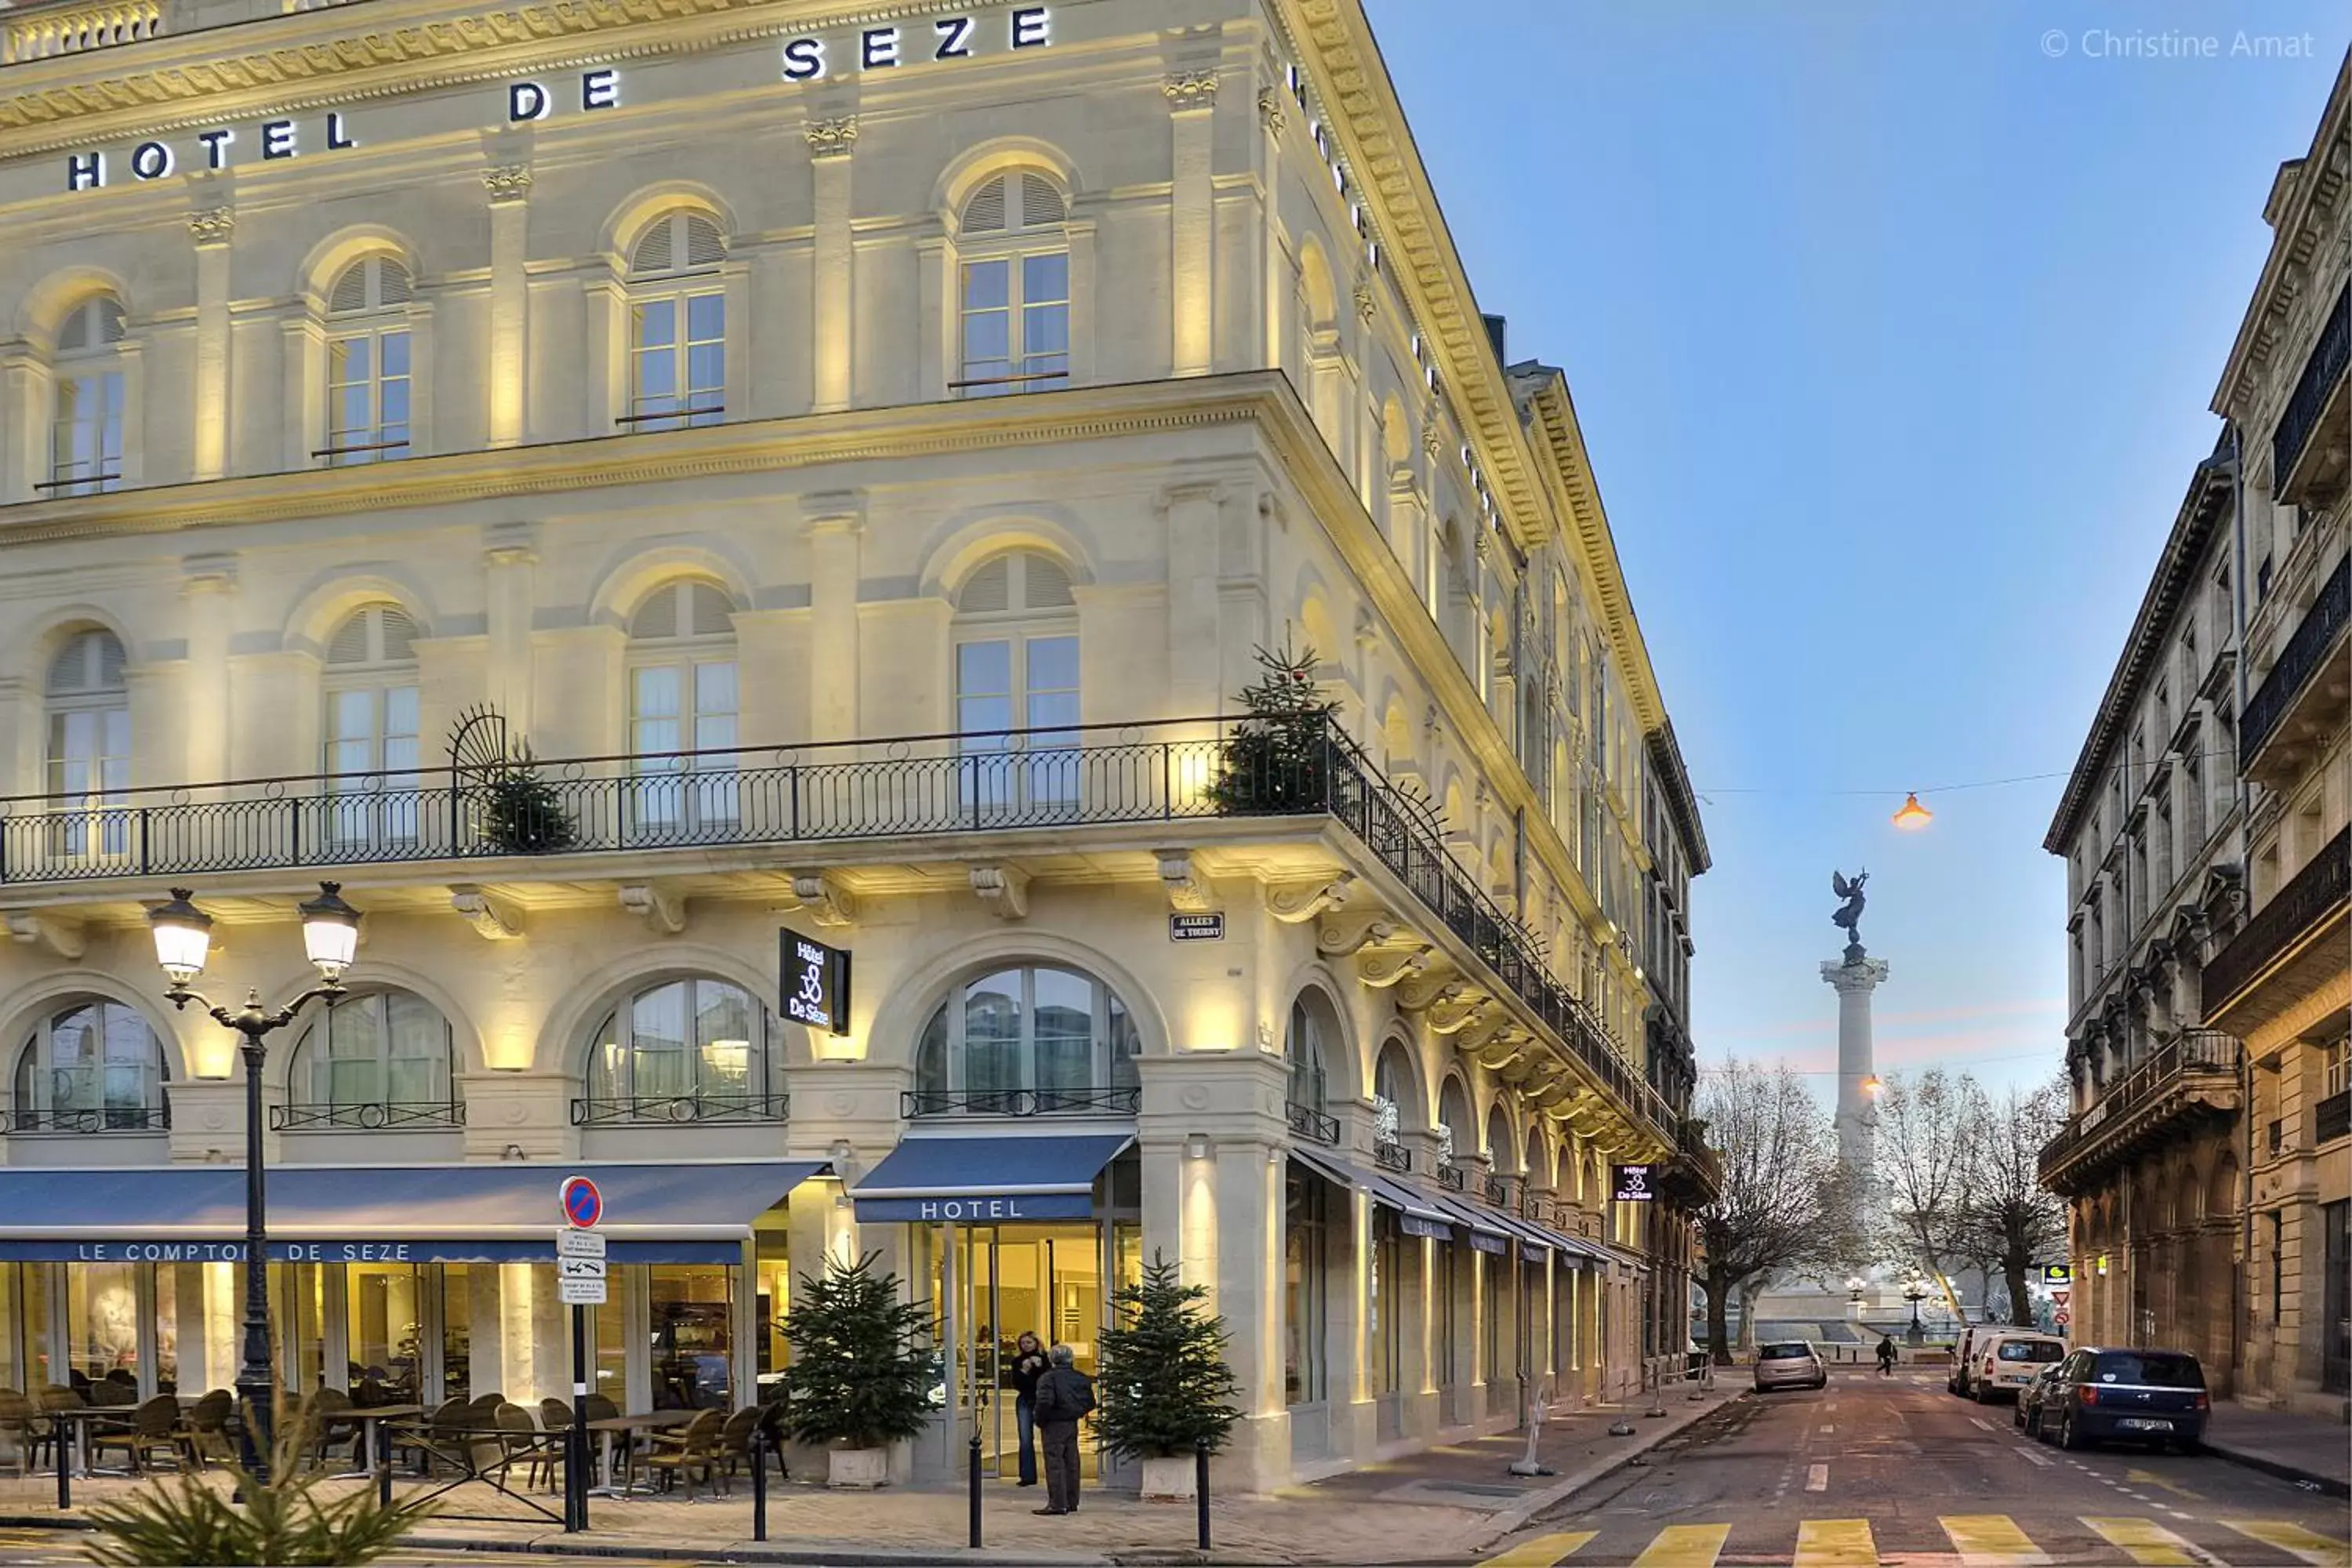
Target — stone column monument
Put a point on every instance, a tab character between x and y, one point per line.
1856	976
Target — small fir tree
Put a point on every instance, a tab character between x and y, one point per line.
861	1373
1165	1387
1278	759
521	812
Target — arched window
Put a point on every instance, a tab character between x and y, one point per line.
677	324
88	746
1538	1161
1017	680
683	700
694	1049
1014	323
1307	1042
371	727
1453	1122
1391	1087
368	362
1034	1039
94	1066
1502	1156
376	1059
85	437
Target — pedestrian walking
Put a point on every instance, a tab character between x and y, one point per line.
1886	1355
1065	1395
1029	1364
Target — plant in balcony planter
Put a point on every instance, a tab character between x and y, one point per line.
862	1372
521	812
1277	759
1165	1389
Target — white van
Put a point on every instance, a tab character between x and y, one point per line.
2004	1361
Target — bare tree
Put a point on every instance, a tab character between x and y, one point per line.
1927	1127
2010	1217
1781	1191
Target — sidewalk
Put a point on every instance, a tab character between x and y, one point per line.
1437	1505
2298	1448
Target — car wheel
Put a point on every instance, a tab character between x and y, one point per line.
2017	1416
2069	1439
1982	1395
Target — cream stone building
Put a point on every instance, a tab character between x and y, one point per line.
855	453
2285	983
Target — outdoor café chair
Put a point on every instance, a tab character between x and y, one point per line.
691	1448
735	1438
154	1427
203	1430
21	1424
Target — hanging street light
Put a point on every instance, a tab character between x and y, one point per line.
1912	815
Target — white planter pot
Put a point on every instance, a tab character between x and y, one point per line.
1169	1481
866	1467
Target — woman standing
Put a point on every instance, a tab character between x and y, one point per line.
1028	1365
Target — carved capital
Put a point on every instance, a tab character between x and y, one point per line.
1349	931
1294	902
493	920
1273	112
1188	893
661	906
61	938
506	182
1367	302
834	137
1190	89
212	226
1004	888
824	899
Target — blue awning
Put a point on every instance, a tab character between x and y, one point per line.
682	1212
988	1178
1485	1231
1416	1215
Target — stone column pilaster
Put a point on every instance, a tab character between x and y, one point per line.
1857	1119
1191	96
509	185
208	396
831	141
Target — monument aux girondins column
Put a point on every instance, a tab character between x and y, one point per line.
1855	976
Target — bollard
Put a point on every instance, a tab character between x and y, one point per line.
1657	1388
975	1491
759	1483
1201	1489
65	1461
382	1464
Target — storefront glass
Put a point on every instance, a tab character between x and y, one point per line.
692	1316
12	1316
457	1330
1387	1300
167	1330
298	1316
608	1350
774	1352
385	1334
102	1329
1304	1244
1495	1277
42	1369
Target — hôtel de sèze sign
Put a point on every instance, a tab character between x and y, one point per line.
801	60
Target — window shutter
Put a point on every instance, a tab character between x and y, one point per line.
657	616
984	213
988	590
1041	204
393	284
93	324
712	614
91	662
704	245
350	644
1048	585
399	635
653	252
349	292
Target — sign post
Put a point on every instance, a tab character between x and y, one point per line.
580	1283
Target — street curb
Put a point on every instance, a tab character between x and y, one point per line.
781	1552
1520	1513
2279	1468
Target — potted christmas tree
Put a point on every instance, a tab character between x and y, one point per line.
862	1371
1277	759
1165	1388
521	812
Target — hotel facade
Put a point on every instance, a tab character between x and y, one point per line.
626	488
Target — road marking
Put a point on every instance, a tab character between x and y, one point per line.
1817	1479
1835	1543
1990	1541
2145	1541
1828	1426
1685	1546
2293	1539
2032	1456
1543	1551
2150	1478
1979	1423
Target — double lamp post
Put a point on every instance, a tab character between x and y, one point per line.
331	936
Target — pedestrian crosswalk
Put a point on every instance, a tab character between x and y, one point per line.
1970	1540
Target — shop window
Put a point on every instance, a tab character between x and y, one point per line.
384	1305
689	1050
1017	685
683	712
1013	292
458	1330
1386	1300
368	375
1303	1050
86	434
378	1060
102	1331
1027	1041
371	724
1304	1242
692	1312
87	748
678	325
95	1066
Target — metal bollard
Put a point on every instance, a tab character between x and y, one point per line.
382	1464
1200	1489
758	1483
975	1491
65	1461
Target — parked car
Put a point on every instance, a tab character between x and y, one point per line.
2007	1361
1790	1363
1956	1381
2030	1399
2132	1395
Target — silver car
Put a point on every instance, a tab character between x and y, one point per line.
1790	1363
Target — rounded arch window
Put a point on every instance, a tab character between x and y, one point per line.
374	1059
372	726
1392	1088
1499	1150
86	434
1304	1049
695	1048
1030	1038
1014	287
86	745
684	702
677	324
92	1067
1453	1119
1016	683
368	375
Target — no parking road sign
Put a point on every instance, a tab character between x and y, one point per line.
583	1205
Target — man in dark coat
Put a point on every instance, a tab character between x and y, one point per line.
1065	1395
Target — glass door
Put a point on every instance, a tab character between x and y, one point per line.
1004	1281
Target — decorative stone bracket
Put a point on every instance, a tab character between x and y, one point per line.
1188	891
1004	888
826	902
1436	984
662	907
493	920
63	937
1292	903
1339	936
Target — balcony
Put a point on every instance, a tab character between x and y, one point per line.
383	1116
2332	1118
39	32
1391	1155
2291	702
1311	1124
681	1110
2192	1078
921	1102
2303	472
73	1120
2285	951
1693	1178
1452	1178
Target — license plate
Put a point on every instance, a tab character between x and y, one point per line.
2140	1423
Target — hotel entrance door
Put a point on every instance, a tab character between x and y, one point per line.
999	1281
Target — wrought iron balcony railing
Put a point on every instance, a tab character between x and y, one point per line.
1307	1123
2207	1053
2331	1117
1391	1155
107	1119
1497	1191
374	1116
1124	1101
2299	420
679	1108
2298	661
2308	897
1453	1177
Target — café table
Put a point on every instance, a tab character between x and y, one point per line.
82	1417
369	1418
605	1430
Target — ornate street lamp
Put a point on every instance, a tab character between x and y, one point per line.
1915	1293
184	936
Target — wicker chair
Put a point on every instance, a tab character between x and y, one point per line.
689	1450
203	1430
153	1429
22	1424
735	1438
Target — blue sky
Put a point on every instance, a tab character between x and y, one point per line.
1893	329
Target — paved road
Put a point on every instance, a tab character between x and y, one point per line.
49	1547
1877	1471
